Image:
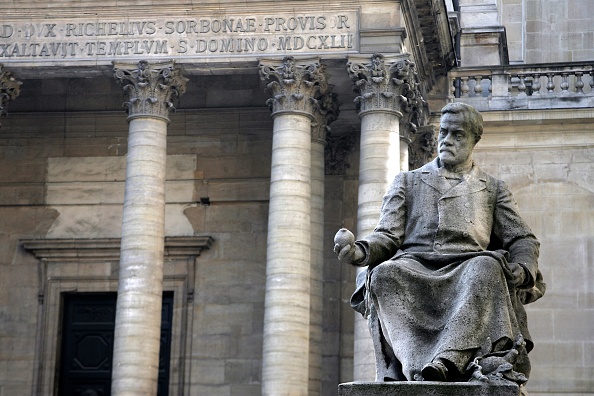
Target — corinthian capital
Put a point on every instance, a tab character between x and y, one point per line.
295	85
151	88
326	114
10	88
384	83
422	147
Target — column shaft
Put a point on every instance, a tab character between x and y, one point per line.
287	303
140	289
295	86
379	164
388	87
137	336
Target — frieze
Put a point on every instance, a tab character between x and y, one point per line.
178	37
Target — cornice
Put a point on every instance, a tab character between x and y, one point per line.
108	248
31	10
430	37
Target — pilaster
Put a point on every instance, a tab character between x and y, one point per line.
327	113
10	88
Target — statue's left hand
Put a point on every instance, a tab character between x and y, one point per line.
518	273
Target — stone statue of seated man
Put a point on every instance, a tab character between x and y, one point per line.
449	267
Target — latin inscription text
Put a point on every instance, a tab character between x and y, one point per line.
195	37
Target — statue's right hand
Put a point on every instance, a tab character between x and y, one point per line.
343	238
345	248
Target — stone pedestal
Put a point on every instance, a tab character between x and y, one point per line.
426	388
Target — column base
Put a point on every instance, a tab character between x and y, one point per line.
429	388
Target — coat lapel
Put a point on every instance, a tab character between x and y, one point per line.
475	181
430	175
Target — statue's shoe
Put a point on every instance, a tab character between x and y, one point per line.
435	371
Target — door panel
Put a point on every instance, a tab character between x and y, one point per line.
87	344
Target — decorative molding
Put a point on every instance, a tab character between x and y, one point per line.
327	113
108	249
384	83
422	147
10	88
336	152
416	109
151	87
429	38
296	86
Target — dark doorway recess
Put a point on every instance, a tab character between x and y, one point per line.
87	344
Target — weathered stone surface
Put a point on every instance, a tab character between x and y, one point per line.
545	155
425	389
435	224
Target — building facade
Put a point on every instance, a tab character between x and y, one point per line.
195	159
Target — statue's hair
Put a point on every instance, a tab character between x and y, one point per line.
473	120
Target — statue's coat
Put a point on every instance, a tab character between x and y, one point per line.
438	279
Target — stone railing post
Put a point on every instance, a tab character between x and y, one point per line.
388	87
296	86
500	84
10	88
150	89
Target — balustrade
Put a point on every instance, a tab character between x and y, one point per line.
518	81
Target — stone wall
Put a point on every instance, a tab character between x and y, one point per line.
64	181
543	31
551	176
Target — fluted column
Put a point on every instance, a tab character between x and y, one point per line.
327	113
385	85
150	88
295	87
10	88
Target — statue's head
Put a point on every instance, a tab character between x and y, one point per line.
472	119
461	127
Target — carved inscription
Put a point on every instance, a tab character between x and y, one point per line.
179	37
